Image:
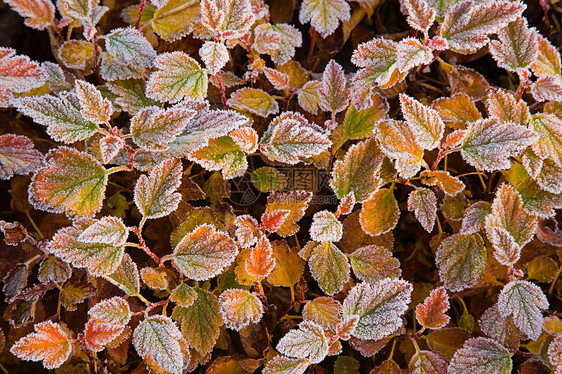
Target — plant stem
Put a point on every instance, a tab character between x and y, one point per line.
141	9
221	86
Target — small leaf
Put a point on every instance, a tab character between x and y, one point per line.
442	179
18	156
358	172
253	100
333	94
247	232
49	343
488	144
279	80
309	341
555	352
222	154
99	334
378	58
420	15
261	261
431	314
155	278
99	258
204	253
214	55
53	270
79	9
517	46
504	106
107	230
461	260
272	221
239	308
279	41
183	295
229	19
60	114
324	15
424	204
548	59
38	14
131	95
178	77
159	342
309	96
324	311
115	310
294	201
480	356
129	45
410	53
325	227
379	307
126	277
374	263
267	179
380	213
425	123
547	87
71	181
525	301
329	267
427	362
155	195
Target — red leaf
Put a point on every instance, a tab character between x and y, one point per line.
431	314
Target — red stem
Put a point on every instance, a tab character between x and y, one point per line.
312	42
141	9
221	86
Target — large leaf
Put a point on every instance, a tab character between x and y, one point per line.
178	77
329	267
397	141
39	14
71	181
309	341
204	253
324	15
481	356
525	301
379	307
517	47
18	156
175	18
239	308
159	342
153	128
461	260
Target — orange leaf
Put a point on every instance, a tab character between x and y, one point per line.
261	262
98	334
431	314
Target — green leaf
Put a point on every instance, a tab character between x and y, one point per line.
131	95
130	46
71	182
267	179
329	267
461	260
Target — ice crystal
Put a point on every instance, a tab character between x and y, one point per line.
239	308
424	204
155	195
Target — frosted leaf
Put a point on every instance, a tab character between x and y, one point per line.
379	307
279	80
183	295
466	25
380	213
77	54
548	59
309	96
286	365
60	114
324	311
279	41
201	321
549	178
18	73
509	227
503	106
425	123
378	56
114	310
99	334
222	154
289	266
294	201
49	343
156	195
420	15
488	144
204	253
107	230
358	172
53	270
70	181
130	95
94	107
442	179
129	46
99	258
501	328
246	138
461	260
427	362
112	69
517	46
214	55
555	352
333	94
126	277
110	146
329	267
309	341
18	156
261	262
178	76
423	202
346	205
536	200
229	19
153	128
474	218
524	301
273	220
547	87
155	278
397	141
38	14
411	52
291	137
374	263
174	19
159	342
549	128
79	9
457	111
247	232
531	162
431	313
239	308
481	356
324	15
325	227
253	100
